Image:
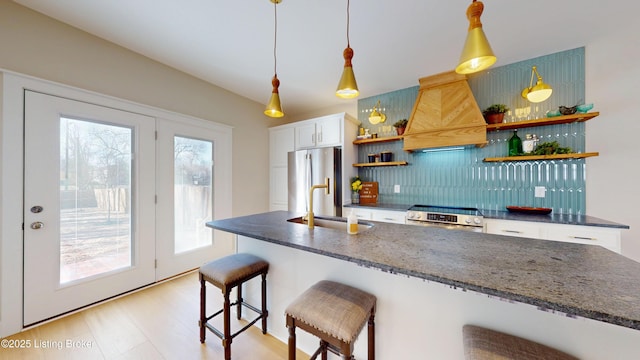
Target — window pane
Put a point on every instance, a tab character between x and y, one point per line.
95	198
193	197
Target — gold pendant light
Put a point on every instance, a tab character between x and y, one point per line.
347	87
476	53
538	93
274	109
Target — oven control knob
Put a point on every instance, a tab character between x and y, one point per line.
467	220
477	221
413	215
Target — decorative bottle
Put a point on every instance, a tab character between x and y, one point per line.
528	144
352	223
515	144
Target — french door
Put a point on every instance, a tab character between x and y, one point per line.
185	197
89	204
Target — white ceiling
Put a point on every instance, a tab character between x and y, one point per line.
230	43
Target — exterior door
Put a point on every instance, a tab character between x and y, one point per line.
185	184
89	217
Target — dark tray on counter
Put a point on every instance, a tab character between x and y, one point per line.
529	210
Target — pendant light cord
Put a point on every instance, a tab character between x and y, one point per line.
275	36
348	45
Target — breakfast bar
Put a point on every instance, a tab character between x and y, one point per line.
581	299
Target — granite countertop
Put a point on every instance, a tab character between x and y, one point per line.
553	218
578	280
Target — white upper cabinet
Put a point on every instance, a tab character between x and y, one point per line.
319	132
281	141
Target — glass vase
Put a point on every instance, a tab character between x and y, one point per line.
355	197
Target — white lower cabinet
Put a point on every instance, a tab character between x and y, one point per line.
396	217
609	238
512	228
389	216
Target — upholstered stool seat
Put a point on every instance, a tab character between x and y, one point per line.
335	313
485	344
227	273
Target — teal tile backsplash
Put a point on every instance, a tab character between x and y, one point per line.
460	177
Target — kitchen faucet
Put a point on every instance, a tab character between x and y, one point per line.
313	187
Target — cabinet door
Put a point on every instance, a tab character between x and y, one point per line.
361	214
513	228
305	135
278	196
328	131
396	217
281	141
605	237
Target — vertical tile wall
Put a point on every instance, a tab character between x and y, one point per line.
460	177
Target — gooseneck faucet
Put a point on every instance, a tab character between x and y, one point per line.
313	187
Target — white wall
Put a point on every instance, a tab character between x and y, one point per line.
612	78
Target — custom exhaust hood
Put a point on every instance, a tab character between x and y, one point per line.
445	114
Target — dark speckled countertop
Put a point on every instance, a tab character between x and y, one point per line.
578	280
554	218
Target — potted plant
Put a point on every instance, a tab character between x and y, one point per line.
400	125
494	114
356	186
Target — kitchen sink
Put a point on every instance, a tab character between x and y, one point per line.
330	223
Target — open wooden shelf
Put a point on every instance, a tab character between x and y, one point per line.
388	163
542	157
542	122
377	140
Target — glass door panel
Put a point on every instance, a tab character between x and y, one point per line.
95	198
193	200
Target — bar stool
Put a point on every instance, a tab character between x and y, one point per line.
484	344
335	313
226	273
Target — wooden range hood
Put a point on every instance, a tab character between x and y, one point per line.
445	114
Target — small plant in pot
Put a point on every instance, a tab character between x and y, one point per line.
400	126
494	114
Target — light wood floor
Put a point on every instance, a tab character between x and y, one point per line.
159	322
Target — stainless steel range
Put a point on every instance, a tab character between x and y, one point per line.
469	219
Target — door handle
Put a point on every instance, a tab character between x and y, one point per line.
37	225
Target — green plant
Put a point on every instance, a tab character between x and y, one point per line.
551	148
496	109
401	123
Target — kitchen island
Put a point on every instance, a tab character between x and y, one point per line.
581	299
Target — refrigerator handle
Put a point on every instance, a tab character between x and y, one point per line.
308	173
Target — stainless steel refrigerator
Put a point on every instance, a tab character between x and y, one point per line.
311	167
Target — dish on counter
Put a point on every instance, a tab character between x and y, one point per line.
529	210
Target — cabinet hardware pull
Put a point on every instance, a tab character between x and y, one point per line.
583	238
512	231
